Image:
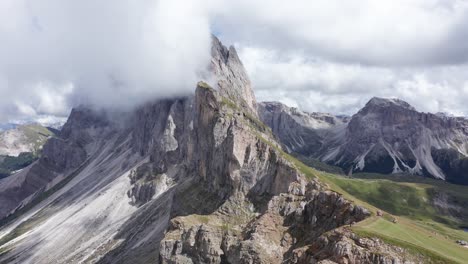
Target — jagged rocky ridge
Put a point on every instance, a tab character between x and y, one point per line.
386	136
197	179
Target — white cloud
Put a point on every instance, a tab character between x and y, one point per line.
398	32
113	53
321	55
343	88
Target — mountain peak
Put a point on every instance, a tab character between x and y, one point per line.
388	102
231	76
218	50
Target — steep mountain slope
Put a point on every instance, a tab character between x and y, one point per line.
187	180
386	136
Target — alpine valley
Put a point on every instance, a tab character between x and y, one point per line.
217	177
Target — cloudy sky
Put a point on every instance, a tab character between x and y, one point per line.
321	55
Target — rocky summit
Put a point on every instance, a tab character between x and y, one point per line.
197	179
386	136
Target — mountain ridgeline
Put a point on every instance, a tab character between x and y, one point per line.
196	179
21	145
387	136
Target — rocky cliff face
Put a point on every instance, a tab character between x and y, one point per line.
186	180
392	135
386	136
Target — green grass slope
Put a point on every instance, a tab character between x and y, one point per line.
420	227
407	234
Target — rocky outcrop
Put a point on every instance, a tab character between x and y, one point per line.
234	158
279	234
268	204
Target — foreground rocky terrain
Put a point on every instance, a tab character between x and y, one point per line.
198	179
386	136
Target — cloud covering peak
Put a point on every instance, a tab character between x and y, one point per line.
58	53
322	55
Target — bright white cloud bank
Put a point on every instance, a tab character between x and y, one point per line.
318	55
58	53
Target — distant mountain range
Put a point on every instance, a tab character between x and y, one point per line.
24	138
386	136
55	122
21	145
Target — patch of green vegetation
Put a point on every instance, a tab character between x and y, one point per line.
203	219
229	103
34	134
321	166
417	240
225	227
455	189
13	163
413	194
9	164
4	173
37	135
257	123
396	198
451	233
203	84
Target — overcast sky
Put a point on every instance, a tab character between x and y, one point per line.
321	55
